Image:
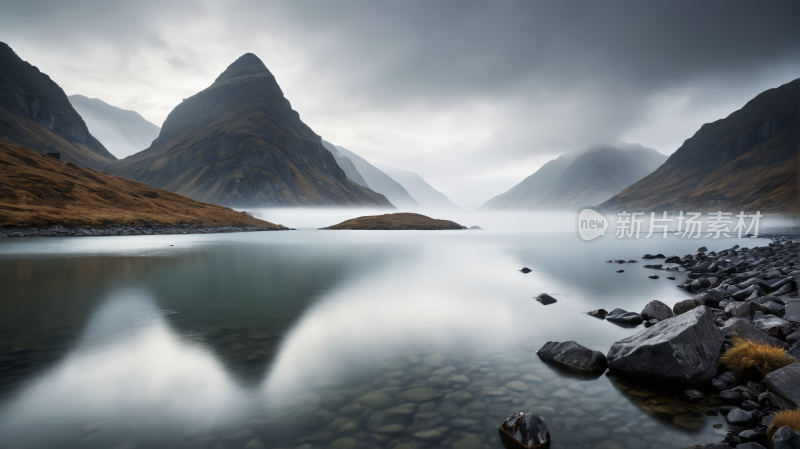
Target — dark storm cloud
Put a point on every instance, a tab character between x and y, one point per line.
479	91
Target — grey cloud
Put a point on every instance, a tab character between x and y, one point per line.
512	82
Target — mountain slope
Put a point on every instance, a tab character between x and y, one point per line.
576	180
239	143
345	164
38	190
121	131
381	182
746	161
422	192
35	112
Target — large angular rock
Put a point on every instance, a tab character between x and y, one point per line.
786	438
624	317
656	310
738	310
773	326
785	382
792	312
684	349
524	430
740	327
573	356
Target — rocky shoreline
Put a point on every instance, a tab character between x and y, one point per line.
750	293
115	229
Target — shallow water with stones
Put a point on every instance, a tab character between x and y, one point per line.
326	339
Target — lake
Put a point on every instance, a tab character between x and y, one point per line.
315	339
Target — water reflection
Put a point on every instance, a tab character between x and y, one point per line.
345	340
128	372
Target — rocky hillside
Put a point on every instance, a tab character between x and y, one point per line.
746	161
240	143
121	131
575	180
422	192
38	190
35	113
400	221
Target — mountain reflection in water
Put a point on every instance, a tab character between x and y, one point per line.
321	338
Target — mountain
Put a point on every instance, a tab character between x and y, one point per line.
746	161
121	131
38	190
381	182
575	180
422	192
239	143
35	113
345	164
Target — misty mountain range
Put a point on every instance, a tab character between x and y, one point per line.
582	179
121	131
239	143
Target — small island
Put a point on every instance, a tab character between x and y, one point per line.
399	221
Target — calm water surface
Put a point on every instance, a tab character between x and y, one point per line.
342	339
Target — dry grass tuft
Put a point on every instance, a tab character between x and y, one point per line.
748	356
789	418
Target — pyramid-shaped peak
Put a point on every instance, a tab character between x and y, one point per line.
248	65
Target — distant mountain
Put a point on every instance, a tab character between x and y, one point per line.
421	191
575	180
746	161
381	182
345	164
239	143
35	113
121	131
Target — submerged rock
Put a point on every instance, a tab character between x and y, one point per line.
625	317
526	430
599	313
684	349
571	355
546	299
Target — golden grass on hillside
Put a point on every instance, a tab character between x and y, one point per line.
399	221
748	356
37	190
789	418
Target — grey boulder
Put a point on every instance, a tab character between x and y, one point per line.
738	310
773	326
740	327
792	312
624	317
684	349
785	382
684	306
571	355
523	429
739	417
786	438
656	310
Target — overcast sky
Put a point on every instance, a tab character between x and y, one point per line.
473	96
